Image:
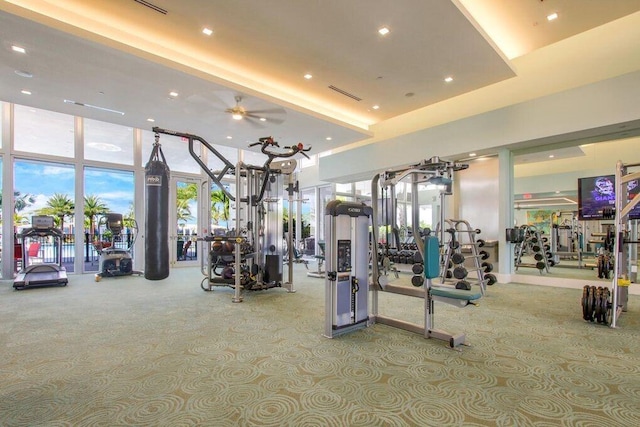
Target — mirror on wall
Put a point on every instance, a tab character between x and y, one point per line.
558	199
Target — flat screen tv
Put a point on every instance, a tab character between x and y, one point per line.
598	192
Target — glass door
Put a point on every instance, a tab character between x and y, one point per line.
184	221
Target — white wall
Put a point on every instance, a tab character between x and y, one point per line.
601	104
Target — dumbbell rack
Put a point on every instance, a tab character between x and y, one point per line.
462	234
532	243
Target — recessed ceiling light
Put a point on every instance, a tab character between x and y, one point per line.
23	73
229	137
329	138
551	156
26	92
552	16
375	107
472	154
173	94
207	31
383	31
18	49
262	119
308	76
151	120
448	79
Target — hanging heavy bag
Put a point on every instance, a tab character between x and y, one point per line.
156	245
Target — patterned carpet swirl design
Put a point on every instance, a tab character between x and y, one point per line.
132	352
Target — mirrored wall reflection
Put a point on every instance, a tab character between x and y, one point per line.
574	238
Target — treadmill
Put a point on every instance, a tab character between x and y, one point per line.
46	273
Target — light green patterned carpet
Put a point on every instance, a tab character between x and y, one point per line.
132	352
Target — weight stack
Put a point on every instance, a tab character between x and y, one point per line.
157	216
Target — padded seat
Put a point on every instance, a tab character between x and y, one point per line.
452	293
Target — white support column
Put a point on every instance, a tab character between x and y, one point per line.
79	249
7	190
505	212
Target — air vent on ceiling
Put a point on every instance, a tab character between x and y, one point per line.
151	6
345	93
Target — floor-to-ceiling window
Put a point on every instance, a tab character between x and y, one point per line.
107	190
45	188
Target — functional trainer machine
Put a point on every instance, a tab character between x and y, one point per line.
347	265
249	257
45	273
115	261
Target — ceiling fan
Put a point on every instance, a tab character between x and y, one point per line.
268	115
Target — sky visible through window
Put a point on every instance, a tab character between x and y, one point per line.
42	180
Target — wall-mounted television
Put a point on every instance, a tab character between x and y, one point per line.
598	192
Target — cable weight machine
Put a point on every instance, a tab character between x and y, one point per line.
601	304
249	257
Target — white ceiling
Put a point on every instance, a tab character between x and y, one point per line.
125	56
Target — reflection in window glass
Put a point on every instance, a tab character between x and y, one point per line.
363	188
53	196
107	142
175	150
308	215
343	188
41	131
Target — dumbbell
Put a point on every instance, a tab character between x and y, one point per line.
480	242
417	281
448	274
460	272
540	265
484	255
464	285
417	268
488	267
457	258
538	257
490	278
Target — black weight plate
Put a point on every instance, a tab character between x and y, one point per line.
417	268
491	279
464	285
460	272
417	281
488	267
484	255
586	315
457	258
538	257
540	265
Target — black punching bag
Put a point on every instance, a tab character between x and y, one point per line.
156	245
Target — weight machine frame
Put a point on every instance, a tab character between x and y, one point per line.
435	171
258	191
623	207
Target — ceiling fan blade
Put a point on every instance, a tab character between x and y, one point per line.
253	122
269	111
271	120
